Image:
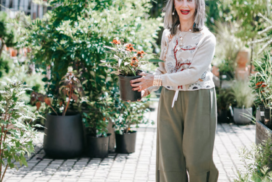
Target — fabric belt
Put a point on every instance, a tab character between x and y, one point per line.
175	98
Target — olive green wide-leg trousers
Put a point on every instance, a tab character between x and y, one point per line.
185	136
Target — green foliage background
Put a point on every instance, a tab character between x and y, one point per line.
74	33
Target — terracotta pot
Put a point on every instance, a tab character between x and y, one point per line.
242	73
13	52
25	51
242	58
6	48
215	71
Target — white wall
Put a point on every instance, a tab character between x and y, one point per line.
36	11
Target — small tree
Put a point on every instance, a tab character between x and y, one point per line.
14	119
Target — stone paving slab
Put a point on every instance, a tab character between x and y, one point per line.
136	167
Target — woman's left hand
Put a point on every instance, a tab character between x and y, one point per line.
143	83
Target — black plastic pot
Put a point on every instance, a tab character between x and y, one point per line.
262	113
268	117
222	116
111	146
126	143
63	136
98	147
226	75
126	89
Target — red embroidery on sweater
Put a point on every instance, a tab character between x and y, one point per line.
180	87
175	52
178	64
188	49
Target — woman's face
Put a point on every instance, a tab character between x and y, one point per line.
185	9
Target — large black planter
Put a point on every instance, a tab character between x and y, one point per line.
63	136
126	143
126	89
98	147
268	117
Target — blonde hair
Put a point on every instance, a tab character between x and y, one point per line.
171	22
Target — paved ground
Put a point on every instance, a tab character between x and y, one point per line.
137	167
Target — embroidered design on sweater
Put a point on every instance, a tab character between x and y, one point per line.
195	86
180	66
170	36
180	87
178	52
203	76
190	48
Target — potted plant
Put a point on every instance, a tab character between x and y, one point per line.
257	162
128	114
63	128
244	98
126	61
16	132
95	119
259	82
224	100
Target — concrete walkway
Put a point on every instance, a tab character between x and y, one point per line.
136	167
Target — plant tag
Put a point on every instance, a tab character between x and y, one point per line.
262	113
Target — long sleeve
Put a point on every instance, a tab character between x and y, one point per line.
161	69
200	63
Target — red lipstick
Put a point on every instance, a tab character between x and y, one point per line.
185	12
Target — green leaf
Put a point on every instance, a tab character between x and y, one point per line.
155	60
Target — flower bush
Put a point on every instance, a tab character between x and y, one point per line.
126	59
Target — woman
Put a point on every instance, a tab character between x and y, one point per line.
187	107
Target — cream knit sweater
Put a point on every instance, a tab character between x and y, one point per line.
187	61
